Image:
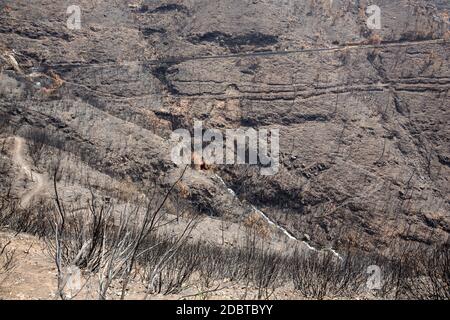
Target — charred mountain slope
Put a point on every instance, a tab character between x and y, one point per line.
364	128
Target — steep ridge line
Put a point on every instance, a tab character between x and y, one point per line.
269	94
392	44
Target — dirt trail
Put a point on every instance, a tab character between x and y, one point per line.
38	180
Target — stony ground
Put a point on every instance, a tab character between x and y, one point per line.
33	277
365	157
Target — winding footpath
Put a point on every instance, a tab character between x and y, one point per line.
39	182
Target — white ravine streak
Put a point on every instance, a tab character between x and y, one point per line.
276	225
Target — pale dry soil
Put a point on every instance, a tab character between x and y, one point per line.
34	277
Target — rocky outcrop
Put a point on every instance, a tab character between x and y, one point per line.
364	128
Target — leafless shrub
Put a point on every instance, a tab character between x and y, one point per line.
321	275
7	260
37	140
25	220
438	272
5	119
267	272
424	273
17	219
124	242
310	274
168	266
214	265
109	241
375	39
